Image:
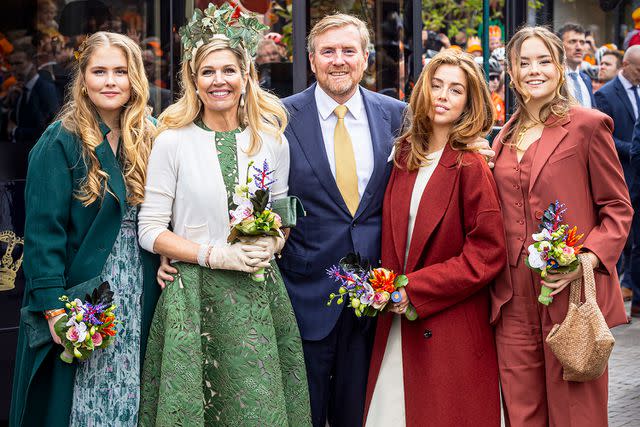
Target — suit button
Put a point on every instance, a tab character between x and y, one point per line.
353	225
519	204
427	333
538	215
521	221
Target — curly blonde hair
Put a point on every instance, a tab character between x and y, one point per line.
80	116
262	110
477	118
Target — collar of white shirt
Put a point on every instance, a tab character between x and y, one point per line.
625	83
326	104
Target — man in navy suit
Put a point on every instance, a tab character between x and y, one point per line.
573	38
634	192
336	344
620	100
38	101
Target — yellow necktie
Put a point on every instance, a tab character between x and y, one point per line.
346	176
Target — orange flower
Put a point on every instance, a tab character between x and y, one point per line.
108	327
572	238
382	279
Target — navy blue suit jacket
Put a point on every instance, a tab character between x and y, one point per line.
34	117
587	81
612	100
634	166
329	232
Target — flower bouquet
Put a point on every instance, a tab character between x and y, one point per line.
367	289
87	325
555	248
252	215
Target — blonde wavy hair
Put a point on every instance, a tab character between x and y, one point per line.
477	118
80	116
562	100
262	111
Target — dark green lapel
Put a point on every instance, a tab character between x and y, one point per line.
110	165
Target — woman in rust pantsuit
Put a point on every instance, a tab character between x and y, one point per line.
441	369
552	150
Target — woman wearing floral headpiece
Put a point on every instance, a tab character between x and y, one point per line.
244	333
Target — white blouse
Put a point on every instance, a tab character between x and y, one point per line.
185	188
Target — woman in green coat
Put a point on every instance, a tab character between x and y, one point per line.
84	185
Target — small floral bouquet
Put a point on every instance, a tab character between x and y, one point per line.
555	248
252	215
367	289
87	325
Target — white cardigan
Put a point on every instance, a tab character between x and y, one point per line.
185	188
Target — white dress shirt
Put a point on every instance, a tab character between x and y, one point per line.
582	87
357	125
628	88
185	188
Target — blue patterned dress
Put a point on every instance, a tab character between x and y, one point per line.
106	391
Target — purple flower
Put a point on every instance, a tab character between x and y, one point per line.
263	176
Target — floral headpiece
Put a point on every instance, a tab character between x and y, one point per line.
220	22
80	49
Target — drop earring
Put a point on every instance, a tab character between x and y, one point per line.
242	96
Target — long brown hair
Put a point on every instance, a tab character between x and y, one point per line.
79	116
476	119
561	102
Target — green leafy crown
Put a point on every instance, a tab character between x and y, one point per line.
225	20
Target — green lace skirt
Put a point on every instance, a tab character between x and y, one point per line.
224	350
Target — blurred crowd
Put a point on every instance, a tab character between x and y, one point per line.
35	64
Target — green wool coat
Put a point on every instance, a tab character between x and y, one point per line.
65	244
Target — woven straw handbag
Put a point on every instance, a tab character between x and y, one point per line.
582	342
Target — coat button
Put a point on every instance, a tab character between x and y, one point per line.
538	215
427	333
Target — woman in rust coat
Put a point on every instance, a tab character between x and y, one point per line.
553	150
441	369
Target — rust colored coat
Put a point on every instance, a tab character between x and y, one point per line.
576	163
457	248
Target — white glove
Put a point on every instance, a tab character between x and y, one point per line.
240	256
270	244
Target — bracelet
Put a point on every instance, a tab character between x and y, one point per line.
207	262
49	314
202	255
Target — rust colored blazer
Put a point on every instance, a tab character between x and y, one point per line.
576	163
457	249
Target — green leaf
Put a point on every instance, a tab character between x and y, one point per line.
401	281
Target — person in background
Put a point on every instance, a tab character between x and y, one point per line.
610	64
633	36
634	190
267	52
496	88
573	40
474	46
37	103
620	100
495	38
84	184
442	227
590	48
552	149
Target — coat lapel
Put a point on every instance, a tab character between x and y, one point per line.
381	138
305	124
433	204
552	135
622	94
109	164
399	210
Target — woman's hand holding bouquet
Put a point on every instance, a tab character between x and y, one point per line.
369	290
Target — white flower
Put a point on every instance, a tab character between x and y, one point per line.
535	258
82	331
243	211
543	235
